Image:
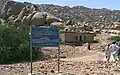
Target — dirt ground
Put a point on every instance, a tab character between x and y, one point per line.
75	60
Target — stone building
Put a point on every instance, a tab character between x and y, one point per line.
77	37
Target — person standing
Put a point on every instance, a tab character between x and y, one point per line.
108	52
114	51
88	46
118	44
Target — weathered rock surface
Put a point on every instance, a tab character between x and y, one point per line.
97	18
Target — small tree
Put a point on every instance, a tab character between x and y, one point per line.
15	45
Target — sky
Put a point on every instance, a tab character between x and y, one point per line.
109	4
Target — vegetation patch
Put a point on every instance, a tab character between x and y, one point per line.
115	38
15	45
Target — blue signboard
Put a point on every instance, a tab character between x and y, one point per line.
45	37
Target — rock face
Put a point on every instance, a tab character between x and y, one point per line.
97	18
81	13
11	8
24	13
2	2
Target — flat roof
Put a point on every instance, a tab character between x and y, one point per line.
86	32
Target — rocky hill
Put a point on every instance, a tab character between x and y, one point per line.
81	13
97	18
87	16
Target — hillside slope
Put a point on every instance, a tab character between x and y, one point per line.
80	13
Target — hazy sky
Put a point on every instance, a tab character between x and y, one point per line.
110	4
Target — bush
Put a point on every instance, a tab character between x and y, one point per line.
15	45
62	42
115	38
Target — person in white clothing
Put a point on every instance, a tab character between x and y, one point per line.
114	51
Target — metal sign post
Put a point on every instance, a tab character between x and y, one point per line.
31	49
44	37
58	59
59	55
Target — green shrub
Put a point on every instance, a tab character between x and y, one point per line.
115	38
15	45
62	42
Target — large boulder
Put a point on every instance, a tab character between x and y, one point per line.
11	8
38	19
5	8
27	19
24	20
10	19
31	16
49	18
2	3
